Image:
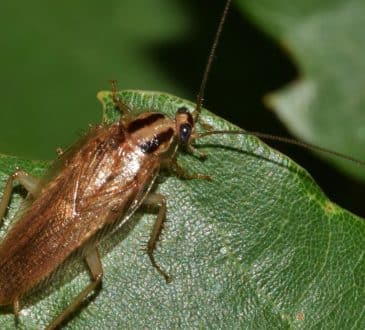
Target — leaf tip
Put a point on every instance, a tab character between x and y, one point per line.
102	96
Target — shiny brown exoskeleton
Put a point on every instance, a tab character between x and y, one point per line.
102	181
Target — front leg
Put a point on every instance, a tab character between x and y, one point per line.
173	166
124	109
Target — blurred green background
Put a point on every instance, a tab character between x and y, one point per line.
56	56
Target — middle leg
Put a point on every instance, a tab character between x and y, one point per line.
158	201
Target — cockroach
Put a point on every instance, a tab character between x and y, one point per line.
100	183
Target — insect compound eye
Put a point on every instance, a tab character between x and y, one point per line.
184	133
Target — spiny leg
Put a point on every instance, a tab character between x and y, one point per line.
93	261
29	182
122	107
205	125
180	172
16	309
196	153
156	200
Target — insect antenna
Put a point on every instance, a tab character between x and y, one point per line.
265	136
200	96
282	139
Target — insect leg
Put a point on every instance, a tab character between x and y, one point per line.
122	107
59	151
29	182
16	307
93	261
180	172
195	152
16	310
156	200
205	125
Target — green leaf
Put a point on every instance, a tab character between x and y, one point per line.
260	246
325	106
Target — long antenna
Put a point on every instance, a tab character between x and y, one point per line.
200	99
284	140
200	96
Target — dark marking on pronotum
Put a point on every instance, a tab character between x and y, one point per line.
153	144
143	122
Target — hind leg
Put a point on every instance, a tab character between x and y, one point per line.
93	261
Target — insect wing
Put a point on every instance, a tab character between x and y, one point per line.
78	203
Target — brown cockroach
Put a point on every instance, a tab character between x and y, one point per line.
100	183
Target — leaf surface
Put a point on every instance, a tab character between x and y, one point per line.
260	246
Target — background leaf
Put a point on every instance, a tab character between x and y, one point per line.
325	105
258	247
56	56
